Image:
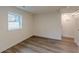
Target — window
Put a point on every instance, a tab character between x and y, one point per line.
14	21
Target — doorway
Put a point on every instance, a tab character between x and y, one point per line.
68	25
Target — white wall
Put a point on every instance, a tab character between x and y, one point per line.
76	29
10	38
68	25
48	25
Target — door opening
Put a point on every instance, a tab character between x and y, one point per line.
68	25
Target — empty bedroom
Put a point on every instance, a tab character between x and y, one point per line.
39	29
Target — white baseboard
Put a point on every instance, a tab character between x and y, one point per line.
16	43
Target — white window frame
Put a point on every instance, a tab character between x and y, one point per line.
20	21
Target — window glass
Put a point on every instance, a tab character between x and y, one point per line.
14	21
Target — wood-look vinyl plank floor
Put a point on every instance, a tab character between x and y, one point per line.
44	45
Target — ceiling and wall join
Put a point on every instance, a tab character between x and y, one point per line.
41	9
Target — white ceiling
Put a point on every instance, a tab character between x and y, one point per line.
40	9
70	9
49	9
